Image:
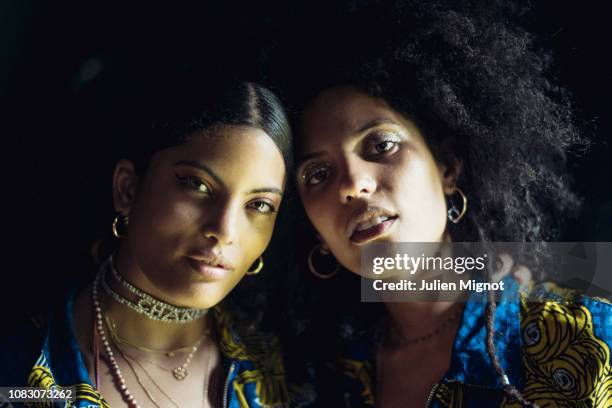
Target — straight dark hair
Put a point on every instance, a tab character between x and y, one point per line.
175	114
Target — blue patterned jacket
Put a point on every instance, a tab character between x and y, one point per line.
556	351
46	355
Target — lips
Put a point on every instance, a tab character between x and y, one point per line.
210	264
370	224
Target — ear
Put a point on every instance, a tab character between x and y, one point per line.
324	246
450	164
449	174
125	183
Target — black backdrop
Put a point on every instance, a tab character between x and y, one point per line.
62	65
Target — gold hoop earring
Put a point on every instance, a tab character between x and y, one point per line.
258	268
125	222
313	270
454	215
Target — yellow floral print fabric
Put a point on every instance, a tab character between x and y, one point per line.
566	365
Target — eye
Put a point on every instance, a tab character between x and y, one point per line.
194	183
384	143
315	174
385	146
261	206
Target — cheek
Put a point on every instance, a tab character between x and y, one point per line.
325	216
422	202
310	204
176	215
319	210
168	219
255	236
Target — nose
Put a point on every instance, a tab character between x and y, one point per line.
356	182
222	224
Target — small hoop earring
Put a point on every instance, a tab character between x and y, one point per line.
116	221
454	214
259	267
314	271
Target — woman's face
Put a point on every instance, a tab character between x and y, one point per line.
202	215
366	174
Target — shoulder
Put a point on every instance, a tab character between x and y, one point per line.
19	348
556	314
566	339
260	371
561	307
243	343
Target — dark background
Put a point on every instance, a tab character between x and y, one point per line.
63	68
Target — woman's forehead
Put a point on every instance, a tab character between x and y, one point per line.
344	112
244	153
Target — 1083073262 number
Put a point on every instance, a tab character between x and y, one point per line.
35	394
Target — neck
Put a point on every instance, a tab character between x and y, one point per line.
420	318
415	319
139	329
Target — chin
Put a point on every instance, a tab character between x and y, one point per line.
208	297
201	303
195	296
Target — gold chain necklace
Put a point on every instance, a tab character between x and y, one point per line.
127	358
118	378
406	341
147	392
414	340
180	372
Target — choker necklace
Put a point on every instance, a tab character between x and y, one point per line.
146	304
115	371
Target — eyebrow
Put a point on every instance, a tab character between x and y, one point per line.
218	180
201	166
309	156
376	122
267	190
369	125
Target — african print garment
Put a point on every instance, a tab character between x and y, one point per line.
254	370
556	351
